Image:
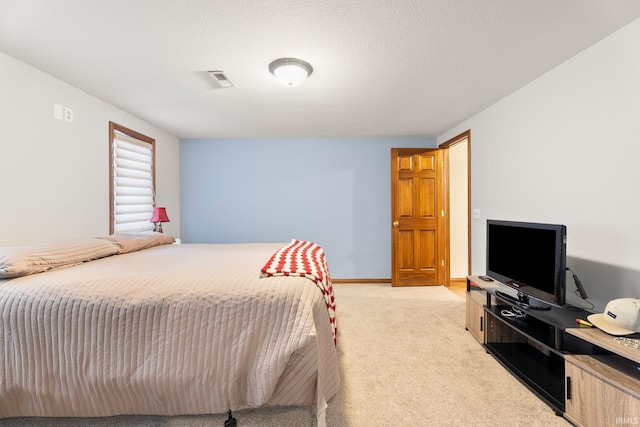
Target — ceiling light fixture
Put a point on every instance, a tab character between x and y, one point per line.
290	71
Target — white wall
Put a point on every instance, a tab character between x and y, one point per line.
54	176
565	149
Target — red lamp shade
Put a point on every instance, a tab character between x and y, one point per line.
159	216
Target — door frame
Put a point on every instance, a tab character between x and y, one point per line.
446	191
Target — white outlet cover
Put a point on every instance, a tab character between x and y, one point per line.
476	213
68	115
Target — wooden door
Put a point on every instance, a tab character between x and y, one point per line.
417	215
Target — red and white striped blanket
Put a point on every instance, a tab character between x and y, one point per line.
304	259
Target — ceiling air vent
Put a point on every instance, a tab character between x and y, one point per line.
221	79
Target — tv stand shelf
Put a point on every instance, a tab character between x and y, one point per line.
529	326
531	349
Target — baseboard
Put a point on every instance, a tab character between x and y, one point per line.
453	283
458	282
349	281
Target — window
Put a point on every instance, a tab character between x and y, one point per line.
132	180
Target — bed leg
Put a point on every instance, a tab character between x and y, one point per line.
230	422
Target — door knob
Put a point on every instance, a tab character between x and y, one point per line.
396	224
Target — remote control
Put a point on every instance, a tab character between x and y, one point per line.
486	278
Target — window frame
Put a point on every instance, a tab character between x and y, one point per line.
113	127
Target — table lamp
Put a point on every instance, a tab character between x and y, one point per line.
159	216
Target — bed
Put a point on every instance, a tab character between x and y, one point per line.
162	329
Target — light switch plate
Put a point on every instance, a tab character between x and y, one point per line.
58	112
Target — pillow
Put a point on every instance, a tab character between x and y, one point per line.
22	261
131	242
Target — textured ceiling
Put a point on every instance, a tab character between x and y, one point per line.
382	68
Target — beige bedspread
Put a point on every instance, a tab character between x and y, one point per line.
175	329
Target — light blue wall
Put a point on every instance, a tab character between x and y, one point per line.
335	192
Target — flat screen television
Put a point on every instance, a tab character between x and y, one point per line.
530	258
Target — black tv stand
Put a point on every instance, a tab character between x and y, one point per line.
570	367
532	347
521	301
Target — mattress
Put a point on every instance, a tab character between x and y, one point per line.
169	330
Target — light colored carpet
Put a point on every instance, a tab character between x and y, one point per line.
406	360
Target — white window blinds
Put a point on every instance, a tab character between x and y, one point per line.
133	183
